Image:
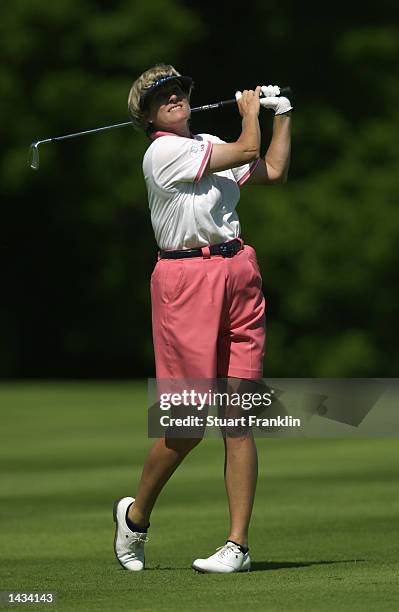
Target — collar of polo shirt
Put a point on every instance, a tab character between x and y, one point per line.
159	133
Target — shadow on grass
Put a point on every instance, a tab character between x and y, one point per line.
263	566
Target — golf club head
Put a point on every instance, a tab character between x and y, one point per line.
33	156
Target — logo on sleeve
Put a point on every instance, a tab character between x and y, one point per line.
197	147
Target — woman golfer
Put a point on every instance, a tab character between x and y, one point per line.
207	303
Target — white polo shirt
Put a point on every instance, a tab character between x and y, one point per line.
189	208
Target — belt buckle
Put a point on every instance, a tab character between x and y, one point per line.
227	250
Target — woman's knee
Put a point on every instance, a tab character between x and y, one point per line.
182	445
236	438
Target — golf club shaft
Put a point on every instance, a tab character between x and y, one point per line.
100	129
125	123
34	148
205	107
284	91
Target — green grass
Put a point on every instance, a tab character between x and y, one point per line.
324	532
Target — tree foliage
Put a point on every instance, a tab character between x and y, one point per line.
77	244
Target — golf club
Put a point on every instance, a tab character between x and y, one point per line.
34	158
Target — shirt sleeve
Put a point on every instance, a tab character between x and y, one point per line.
179	160
242	173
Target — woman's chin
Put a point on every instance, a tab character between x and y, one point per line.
178	117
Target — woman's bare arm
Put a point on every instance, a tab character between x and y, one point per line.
246	148
274	167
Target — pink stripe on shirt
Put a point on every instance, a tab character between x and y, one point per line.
250	171
204	162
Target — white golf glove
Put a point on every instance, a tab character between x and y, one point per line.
267	90
270	90
272	100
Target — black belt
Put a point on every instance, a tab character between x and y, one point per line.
225	249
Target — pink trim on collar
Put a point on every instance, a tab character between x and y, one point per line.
159	133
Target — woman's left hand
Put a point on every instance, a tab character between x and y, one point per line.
248	101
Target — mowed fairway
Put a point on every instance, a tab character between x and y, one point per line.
324	532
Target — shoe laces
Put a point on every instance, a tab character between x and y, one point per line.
227	548
139	538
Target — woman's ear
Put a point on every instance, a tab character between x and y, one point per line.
148	117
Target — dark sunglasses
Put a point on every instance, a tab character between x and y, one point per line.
185	83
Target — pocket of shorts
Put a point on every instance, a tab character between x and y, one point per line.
172	281
156	268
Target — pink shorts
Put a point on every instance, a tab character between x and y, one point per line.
208	317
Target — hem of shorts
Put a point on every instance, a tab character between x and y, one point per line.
244	373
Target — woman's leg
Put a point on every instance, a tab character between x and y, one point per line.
241	459
162	460
240	472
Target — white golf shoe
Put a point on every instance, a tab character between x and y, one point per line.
228	558
128	544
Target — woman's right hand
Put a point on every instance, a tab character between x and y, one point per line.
248	101
246	148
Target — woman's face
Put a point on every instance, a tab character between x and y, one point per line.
169	108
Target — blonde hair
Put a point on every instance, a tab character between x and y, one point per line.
143	82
